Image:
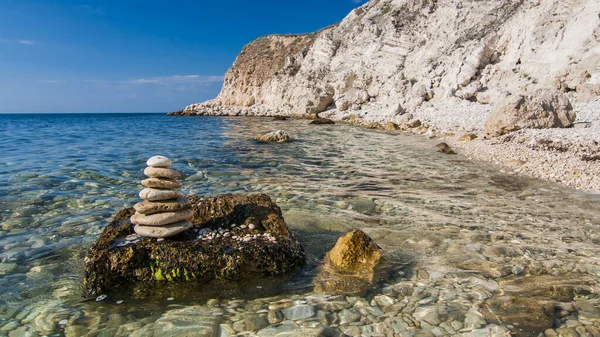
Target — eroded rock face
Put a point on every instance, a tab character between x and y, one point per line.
416	54
259	244
541	110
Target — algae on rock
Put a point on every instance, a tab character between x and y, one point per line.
248	237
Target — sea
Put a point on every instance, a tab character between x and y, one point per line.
64	176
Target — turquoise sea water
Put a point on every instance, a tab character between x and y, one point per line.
63	176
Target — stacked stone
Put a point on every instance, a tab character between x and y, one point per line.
165	211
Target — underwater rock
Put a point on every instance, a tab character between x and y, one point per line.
278	136
320	121
220	245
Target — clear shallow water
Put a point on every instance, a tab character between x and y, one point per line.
64	176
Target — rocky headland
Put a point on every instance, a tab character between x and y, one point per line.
447	64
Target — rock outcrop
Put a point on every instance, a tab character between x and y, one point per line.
232	237
389	58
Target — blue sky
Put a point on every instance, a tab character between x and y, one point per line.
135	56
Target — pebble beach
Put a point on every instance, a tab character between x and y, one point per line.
568	156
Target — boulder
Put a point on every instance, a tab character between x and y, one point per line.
541	110
349	267
232	237
354	252
278	136
353	98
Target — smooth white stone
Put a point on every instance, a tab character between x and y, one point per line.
159	161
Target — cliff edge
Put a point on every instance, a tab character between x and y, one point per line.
388	58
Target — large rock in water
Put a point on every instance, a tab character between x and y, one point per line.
259	244
541	110
349	266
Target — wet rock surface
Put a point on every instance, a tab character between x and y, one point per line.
232	237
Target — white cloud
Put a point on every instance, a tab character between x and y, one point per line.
177	79
21	41
93	9
166	80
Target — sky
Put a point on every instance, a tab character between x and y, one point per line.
135	56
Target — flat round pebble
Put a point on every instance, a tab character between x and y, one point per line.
159	161
101	298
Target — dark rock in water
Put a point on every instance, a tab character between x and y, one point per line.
248	237
445	148
319	121
176	113
280	118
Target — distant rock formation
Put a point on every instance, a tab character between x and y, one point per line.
389	58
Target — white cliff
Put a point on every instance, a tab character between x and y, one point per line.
429	58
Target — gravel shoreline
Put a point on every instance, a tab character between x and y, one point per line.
567	156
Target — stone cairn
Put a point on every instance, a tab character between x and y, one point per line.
165	211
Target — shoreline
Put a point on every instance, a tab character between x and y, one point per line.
570	156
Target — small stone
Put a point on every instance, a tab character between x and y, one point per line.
152	194
149	207
275	317
161	183
63	322
384	301
162	231
299	312
467	137
251	226
348	316
444	148
161	219
414	124
250	323
100	298
159	161
161	172
170	299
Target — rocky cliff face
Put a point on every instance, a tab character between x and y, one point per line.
391	58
